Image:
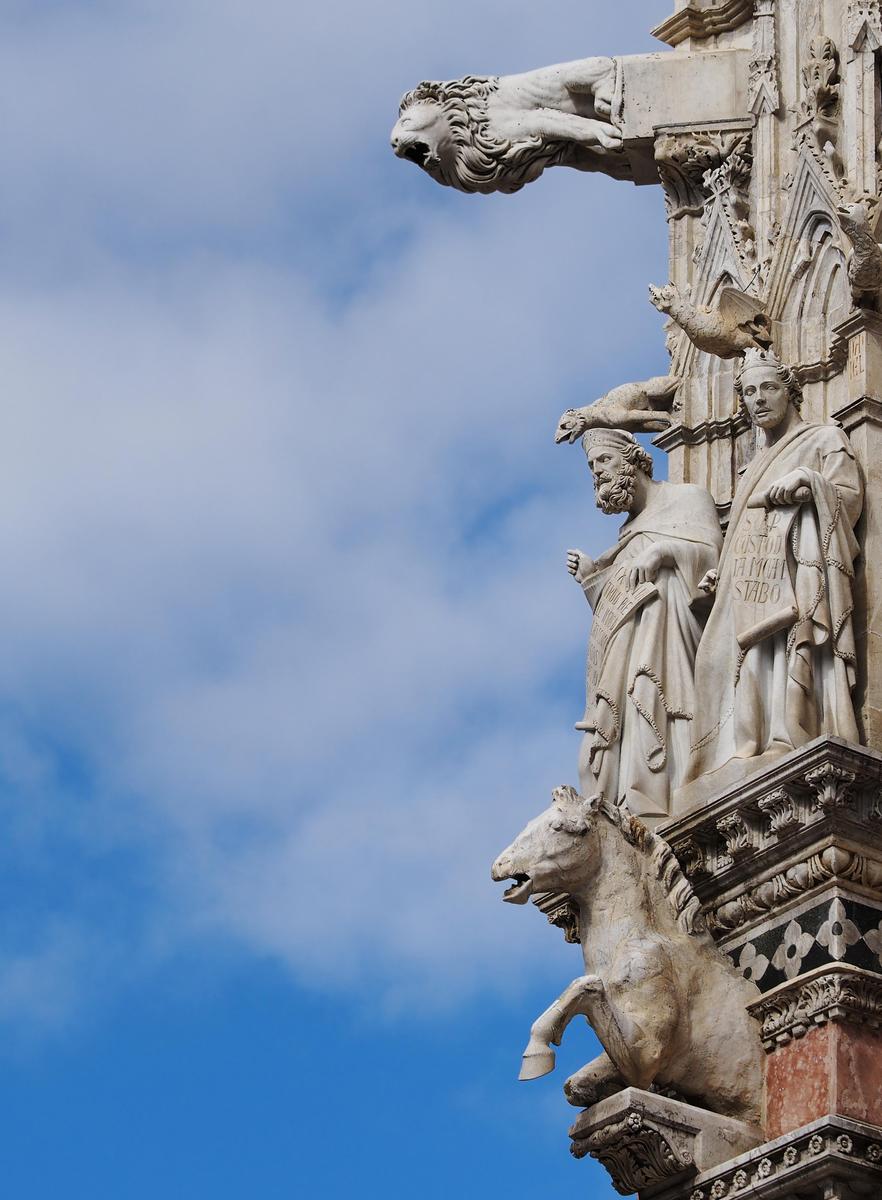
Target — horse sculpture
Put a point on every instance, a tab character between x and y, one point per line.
668	1007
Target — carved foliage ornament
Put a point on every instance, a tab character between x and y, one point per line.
833	996
821	107
689	167
637	1153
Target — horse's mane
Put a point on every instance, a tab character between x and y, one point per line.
683	901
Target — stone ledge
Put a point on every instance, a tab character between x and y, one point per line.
802	821
703	20
833	993
810	1164
647	1141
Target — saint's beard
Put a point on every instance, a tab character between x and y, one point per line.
617	495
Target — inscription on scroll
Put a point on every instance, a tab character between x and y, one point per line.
764	600
617	605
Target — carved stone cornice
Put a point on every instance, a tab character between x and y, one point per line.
817	1162
727	428
831	993
700	20
811	818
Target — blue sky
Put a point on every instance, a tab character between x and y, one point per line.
290	650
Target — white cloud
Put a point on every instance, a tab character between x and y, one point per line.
284	569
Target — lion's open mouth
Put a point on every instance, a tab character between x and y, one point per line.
416	152
519	892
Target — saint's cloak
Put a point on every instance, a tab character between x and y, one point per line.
642	649
770	688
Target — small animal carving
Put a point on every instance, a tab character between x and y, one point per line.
668	1007
638	407
865	260
737	322
496	133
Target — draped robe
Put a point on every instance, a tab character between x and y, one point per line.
766	690
641	651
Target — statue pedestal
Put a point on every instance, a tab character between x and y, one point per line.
648	1142
788	866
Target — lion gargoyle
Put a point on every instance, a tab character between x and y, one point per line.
497	133
668	1007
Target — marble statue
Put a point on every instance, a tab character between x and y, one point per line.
776	664
733	721
496	133
865	259
645	630
734	324
667	1006
639	407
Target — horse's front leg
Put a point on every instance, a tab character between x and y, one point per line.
547	1031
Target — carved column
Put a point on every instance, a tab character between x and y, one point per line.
765	102
864	40
861	418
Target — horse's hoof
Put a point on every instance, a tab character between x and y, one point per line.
536	1063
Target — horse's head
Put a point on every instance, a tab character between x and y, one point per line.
555	851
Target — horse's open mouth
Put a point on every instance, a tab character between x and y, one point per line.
519	892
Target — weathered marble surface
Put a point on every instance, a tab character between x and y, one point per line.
762	127
776	664
667	1006
646	1140
644	635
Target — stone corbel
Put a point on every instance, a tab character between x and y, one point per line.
738	838
782	811
562	912
646	1140
697	165
833	787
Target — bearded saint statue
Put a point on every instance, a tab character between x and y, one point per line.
644	593
776	663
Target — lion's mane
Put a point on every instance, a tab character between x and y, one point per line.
484	162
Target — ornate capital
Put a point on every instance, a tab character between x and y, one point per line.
835	993
697	166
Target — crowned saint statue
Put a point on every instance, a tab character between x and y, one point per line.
776	664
